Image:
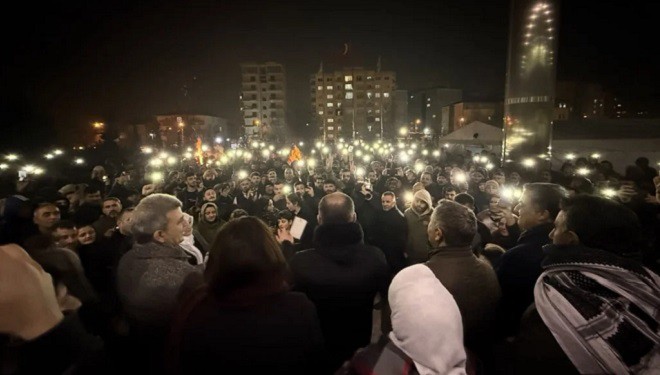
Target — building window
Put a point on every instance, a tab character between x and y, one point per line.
378	95
328	87
320	88
331	120
265	116
348	78
329	96
386	94
348	86
358	78
369	78
330	105
254	114
387	78
320	79
377	86
377	118
370	95
253	79
272	78
329	79
320	112
378	111
331	128
254	97
349	95
428	105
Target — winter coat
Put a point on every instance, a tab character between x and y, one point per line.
417	246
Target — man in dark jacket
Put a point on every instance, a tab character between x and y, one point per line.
342	276
520	266
390	232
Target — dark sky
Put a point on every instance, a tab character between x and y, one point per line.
67	65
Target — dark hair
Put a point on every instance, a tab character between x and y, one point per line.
581	185
457	222
190	174
546	196
63	224
336	208
298	183
295	199
238	213
255	174
285	214
244	252
464	198
112	199
642	162
124	212
603	224
329	181
449	188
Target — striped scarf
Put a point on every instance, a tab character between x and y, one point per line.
603	310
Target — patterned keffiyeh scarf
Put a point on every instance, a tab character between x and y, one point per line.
602	310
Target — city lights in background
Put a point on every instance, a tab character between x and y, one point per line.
4	166
58	152
79	161
595	155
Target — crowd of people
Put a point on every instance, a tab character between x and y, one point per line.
435	266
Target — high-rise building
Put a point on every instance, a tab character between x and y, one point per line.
263	99
457	115
353	102
425	107
581	100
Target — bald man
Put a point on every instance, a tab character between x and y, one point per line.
342	276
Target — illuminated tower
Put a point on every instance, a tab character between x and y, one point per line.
530	81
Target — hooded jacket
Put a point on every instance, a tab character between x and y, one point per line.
417	246
205	231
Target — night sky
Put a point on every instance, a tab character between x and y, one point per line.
67	65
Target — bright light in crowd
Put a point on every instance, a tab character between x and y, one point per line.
419	167
286	189
484	159
490	166
156	176
189	149
271	147
408	196
163	155
4	166
79	161
595	155
58	152
205	148
401	145
29	168
414	146
242	174
425	152
507	193
171	160
301	144
247	156
344	152
49	156
460	177
311	162
529	163
156	162
38	171
12	157
583	171
239	153
188	155
147	150
608	192
356	142
359	171
436	153
319	144
313	151
218	139
265	153
404	157
325	150
255	144
410	152
475	159
446	144
224	159
570	156
366	158
403	131
358	153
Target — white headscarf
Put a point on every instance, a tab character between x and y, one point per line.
188	243
426	322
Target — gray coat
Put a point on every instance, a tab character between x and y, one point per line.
149	278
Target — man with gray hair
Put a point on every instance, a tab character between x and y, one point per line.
150	275
471	280
342	276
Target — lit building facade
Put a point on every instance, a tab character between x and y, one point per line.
353	102
263	99
457	115
530	84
